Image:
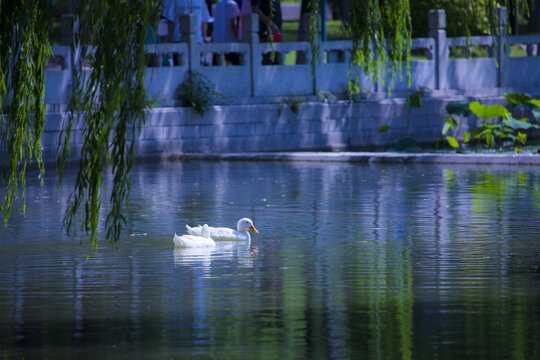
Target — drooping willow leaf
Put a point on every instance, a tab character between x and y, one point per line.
24	52
381	32
112	100
381	36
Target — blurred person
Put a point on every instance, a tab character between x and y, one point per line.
270	22
166	22
226	26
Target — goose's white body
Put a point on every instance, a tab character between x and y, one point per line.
195	241
226	234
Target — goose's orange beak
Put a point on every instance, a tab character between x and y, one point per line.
252	228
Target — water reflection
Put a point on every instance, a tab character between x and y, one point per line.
352	261
240	253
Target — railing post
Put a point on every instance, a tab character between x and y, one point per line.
437	31
303	35
501	45
318	58
250	29
188	28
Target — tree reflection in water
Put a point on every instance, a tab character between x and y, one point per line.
352	261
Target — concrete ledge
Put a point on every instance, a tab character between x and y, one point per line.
372	157
317	128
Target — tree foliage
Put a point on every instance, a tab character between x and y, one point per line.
111	99
381	35
381	30
24	52
463	16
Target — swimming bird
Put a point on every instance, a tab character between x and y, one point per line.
222	233
194	241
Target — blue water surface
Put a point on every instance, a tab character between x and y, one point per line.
353	261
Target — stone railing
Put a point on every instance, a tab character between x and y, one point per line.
253	82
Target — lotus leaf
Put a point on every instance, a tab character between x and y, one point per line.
488	111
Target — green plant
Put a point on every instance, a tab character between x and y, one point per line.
413	100
467	17
197	91
502	125
293	103
384	128
353	97
326	96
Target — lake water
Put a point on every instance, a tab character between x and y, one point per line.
352	261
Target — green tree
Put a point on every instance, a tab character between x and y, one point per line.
463	16
381	30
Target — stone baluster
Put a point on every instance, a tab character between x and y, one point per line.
437	31
250	28
188	29
501	45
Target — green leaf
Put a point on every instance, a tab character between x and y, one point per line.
459	108
536	114
384	128
535	102
452	142
516	124
450	123
500	134
466	137
491	126
481	131
488	111
414	100
516	98
521	138
445	128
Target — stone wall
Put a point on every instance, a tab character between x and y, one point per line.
171	132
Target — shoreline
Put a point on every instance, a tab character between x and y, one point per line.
370	157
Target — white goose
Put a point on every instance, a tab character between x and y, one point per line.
195	241
221	233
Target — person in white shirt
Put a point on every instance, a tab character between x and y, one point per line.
226	26
197	7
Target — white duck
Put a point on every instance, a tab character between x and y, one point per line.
195	241
221	233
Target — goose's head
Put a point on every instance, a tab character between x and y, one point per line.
245	224
205	231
